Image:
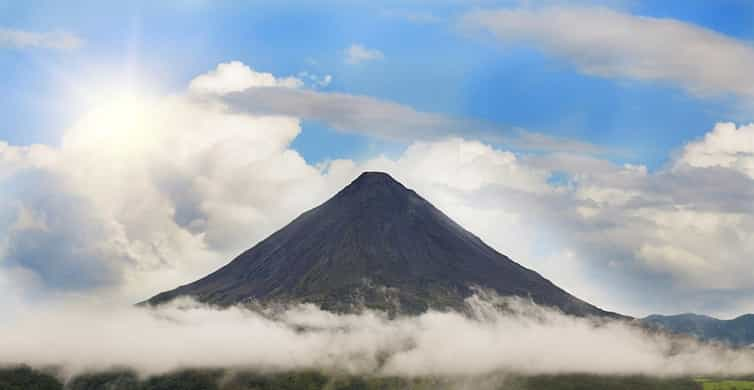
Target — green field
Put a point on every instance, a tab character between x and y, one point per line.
712	384
25	378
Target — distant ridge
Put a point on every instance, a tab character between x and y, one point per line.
374	244
737	332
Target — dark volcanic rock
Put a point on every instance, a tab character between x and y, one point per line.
375	244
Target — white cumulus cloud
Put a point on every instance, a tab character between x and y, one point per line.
235	76
726	146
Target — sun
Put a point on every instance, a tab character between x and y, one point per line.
118	117
109	102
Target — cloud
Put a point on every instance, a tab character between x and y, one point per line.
316	81
47	40
533	141
235	76
413	16
58	237
677	232
464	165
358	53
344	112
385	119
524	339
146	193
725	146
614	44
245	90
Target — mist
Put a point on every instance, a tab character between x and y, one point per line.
486	339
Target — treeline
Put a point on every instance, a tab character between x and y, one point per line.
25	378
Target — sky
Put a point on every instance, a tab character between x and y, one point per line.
607	145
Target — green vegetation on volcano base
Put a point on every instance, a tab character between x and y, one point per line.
24	378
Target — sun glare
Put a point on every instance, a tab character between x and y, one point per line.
120	116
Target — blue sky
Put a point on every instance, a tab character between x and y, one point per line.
430	65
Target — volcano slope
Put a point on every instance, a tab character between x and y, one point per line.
375	244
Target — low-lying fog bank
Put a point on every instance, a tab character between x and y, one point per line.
525	339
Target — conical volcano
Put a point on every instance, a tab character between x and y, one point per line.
375	244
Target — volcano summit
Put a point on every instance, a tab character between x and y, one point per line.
375	244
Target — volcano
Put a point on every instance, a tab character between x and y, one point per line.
375	244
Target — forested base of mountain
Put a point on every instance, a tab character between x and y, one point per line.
25	378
